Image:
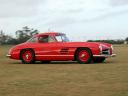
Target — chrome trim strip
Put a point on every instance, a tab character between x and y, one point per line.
54	55
54	51
113	55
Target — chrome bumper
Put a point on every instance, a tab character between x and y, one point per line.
8	55
113	55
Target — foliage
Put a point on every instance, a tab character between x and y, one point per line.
25	33
108	41
126	39
3	37
21	36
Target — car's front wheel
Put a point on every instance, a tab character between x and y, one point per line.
84	56
27	57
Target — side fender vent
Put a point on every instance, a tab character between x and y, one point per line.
64	51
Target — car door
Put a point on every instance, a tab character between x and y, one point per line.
48	50
57	51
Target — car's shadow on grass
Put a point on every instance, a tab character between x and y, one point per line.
53	62
65	62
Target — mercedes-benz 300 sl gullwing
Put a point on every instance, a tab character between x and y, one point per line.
54	46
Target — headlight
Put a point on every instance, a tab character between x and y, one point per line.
103	47
100	47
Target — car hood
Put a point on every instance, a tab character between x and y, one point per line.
88	44
101	43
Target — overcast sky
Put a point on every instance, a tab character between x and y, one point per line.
80	19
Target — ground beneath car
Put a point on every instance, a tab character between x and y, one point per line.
65	78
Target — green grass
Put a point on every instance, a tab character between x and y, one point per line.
65	78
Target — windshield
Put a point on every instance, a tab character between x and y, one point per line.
33	39
62	38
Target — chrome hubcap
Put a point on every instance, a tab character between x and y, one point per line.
27	56
83	55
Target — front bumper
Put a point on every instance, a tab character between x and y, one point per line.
8	55
113	55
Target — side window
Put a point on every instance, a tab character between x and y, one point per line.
43	39
51	39
59	39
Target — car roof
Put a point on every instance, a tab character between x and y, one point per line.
48	33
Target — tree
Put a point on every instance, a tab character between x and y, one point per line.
11	40
126	39
2	37
6	39
25	33
109	41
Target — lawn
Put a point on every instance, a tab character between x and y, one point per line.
65	78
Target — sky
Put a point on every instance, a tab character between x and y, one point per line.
79	19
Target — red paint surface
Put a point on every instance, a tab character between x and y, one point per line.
55	50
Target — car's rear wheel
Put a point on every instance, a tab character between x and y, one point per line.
84	56
98	59
27	56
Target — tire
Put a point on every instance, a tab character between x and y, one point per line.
99	60
84	56
45	62
27	56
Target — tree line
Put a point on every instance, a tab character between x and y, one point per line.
21	36
110	41
25	33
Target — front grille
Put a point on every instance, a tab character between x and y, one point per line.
106	52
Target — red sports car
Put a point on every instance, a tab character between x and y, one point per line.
53	46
